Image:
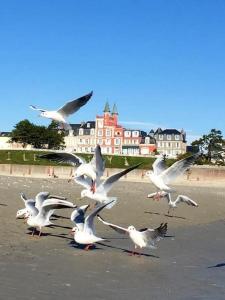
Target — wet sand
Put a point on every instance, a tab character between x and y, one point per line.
188	264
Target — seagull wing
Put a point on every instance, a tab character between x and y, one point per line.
26	201
40	198
85	181
89	220
98	162
187	200
63	157
35	108
32	210
74	105
117	228
108	183
51	204
78	214
151	236
177	169
159	165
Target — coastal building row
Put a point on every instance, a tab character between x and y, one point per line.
116	139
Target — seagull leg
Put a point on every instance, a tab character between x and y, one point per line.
87	247
39	235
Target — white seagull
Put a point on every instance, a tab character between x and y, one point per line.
85	234
40	218
93	169
62	113
78	217
142	238
161	177
173	204
102	188
37	202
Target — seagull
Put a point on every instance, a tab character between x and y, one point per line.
173	204
102	189
85	234
142	238
93	169
62	113
162	176
37	202
40	218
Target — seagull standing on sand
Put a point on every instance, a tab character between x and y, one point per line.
143	238
161	177
92	170
86	235
173	204
102	189
62	113
40	218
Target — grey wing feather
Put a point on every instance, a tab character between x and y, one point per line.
33	211
40	198
35	108
78	214
52	204
85	181
74	105
178	168
63	157
117	228
154	235
159	165
186	199
89	220
98	162
107	184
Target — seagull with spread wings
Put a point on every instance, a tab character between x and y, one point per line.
84	234
39	218
142	238
162	176
173	203
65	111
103	188
92	170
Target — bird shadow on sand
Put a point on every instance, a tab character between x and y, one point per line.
127	251
59	226
166	215
2	204
44	234
60	217
217	266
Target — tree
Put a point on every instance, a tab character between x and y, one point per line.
39	137
212	145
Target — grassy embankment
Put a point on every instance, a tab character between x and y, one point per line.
26	157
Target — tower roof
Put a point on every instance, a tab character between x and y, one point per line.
107	108
115	110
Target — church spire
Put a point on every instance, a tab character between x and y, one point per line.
115	110
107	108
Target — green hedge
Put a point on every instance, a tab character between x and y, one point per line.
112	161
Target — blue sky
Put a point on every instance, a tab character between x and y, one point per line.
162	62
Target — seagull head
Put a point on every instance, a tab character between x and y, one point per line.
131	228
20	213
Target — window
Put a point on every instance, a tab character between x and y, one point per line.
169	137
100	124
92	131
100	132
160	136
87	142
108	142
127	133
177	137
147	140
117	141
99	141
108	132
135	133
81	131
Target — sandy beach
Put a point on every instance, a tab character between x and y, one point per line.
188	264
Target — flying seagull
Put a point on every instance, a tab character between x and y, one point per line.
102	188
39	218
65	111
173	204
142	238
162	176
78	216
93	169
85	234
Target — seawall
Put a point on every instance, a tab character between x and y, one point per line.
198	174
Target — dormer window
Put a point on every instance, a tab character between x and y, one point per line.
81	131
88	125
160	136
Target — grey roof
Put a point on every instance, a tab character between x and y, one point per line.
107	108
115	110
5	133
